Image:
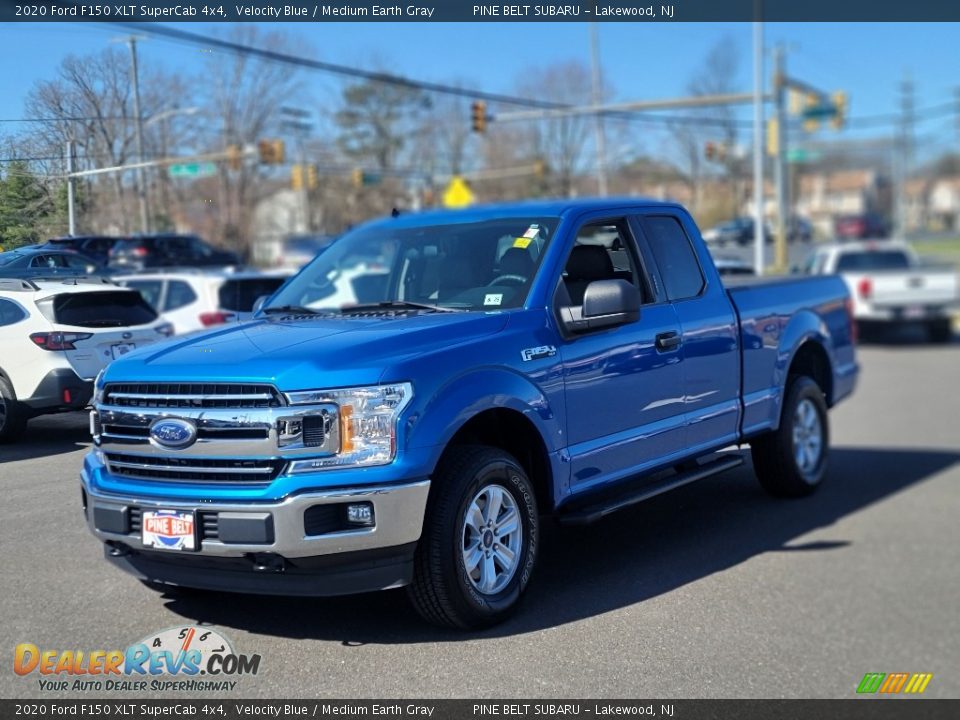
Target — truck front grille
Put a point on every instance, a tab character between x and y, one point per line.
192	469
191	395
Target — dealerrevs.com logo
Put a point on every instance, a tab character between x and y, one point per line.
187	658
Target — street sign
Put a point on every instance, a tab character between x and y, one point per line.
800	155
458	194
202	169
823	110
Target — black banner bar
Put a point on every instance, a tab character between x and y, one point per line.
873	708
478	11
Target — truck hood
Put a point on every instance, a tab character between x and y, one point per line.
304	353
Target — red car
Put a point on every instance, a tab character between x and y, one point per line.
860	227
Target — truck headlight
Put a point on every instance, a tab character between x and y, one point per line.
368	418
97	389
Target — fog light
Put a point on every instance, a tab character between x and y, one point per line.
360	514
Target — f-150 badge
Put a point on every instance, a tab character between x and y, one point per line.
536	353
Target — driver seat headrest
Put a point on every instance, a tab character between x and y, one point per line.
516	261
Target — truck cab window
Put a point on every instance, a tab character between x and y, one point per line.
674	255
601	251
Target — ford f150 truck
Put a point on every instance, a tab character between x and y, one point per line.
494	367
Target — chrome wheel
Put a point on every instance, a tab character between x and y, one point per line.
807	437
492	539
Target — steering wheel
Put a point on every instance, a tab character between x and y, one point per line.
511	279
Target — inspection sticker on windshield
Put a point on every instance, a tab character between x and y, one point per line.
532	231
522	242
493	298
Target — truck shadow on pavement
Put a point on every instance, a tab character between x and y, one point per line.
634	555
49	435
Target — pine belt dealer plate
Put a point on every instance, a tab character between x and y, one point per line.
169	529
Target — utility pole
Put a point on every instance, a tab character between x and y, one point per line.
597	97
296	120
758	208
141	175
780	175
71	212
906	151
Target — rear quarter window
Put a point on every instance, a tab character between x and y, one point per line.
179	294
110	308
674	254
239	295
10	313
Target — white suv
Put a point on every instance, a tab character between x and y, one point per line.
57	335
196	299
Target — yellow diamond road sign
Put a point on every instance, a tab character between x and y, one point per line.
457	194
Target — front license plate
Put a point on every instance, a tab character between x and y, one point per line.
169	529
121	349
913	312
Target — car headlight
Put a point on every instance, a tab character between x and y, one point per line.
368	419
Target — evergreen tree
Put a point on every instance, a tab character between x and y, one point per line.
23	206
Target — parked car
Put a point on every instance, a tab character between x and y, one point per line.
799	229
168	250
739	231
297	250
862	226
195	299
96	247
561	358
43	262
56	336
889	285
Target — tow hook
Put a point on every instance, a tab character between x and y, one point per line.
268	562
117	549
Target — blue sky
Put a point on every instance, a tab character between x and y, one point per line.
641	60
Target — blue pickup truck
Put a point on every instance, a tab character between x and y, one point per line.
409	408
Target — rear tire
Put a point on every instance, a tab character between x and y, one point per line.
940	331
792	460
13	418
480	540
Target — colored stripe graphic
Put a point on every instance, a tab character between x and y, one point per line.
894	682
870	683
918	683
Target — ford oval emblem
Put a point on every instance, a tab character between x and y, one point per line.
173	433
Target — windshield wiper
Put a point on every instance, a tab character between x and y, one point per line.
396	305
288	310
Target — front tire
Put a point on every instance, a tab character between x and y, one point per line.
13	419
480	540
792	460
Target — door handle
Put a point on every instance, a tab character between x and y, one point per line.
668	340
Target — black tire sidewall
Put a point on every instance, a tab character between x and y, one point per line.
491	467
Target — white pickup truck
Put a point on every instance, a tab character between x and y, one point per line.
889	284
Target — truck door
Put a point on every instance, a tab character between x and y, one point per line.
623	385
709	334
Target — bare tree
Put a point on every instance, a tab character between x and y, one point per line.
560	141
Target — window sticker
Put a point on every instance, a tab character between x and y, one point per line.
493	298
532	231
522	242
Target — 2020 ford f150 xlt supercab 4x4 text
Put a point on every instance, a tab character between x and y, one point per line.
494	366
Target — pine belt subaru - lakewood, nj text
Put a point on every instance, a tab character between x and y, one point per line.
413	424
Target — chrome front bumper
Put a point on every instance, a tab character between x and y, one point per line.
398	514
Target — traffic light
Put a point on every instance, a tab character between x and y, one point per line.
356	177
841	104
710	150
312	181
773	137
234	157
271	152
296	177
478	116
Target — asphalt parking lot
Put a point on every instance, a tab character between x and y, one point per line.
714	590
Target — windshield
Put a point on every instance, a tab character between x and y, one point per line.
8	258
486	265
875	260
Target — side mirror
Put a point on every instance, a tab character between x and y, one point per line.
259	303
606	303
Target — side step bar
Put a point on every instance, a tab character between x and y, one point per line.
585	514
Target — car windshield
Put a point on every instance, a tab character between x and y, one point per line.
874	260
8	258
485	265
